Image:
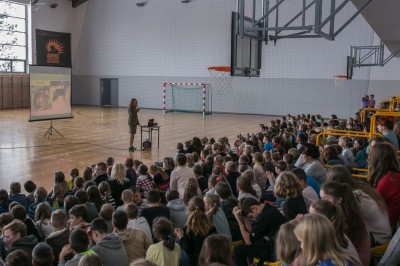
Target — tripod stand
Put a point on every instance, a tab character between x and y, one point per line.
49	131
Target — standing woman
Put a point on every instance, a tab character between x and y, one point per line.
133	121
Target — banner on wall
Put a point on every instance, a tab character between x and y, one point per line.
53	48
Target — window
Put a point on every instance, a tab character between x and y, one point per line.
13	37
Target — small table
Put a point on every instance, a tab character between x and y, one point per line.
149	130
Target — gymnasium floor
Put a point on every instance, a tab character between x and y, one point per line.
96	133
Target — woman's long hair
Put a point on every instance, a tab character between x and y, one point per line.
287	186
214	201
341	174
163	231
244	184
118	173
356	227
197	221
334	213
216	249
191	190
132	103
382	159
318	238
94	197
287	245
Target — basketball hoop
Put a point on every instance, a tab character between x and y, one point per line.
221	80
339	80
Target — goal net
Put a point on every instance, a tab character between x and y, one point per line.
187	97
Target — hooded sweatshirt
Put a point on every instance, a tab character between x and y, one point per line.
26	243
135	242
178	212
141	223
111	251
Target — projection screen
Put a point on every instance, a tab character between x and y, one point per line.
50	93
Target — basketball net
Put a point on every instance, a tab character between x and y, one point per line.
221	80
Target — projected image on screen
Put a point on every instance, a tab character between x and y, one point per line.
50	93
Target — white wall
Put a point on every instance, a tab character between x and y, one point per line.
63	18
385	81
168	41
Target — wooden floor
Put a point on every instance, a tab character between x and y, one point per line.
96	133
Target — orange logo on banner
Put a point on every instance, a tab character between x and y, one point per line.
54	49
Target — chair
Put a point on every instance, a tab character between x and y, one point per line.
377	253
265	263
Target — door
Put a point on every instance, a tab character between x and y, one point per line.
109	92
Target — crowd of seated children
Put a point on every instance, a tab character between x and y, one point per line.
129	205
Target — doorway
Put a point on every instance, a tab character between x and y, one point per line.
109	92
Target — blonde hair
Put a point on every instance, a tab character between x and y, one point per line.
197	221
287	245
318	240
214	201
118	172
191	190
287	186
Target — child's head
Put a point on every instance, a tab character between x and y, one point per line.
143	170
87	173
164	232
131	210
344	142
287	186
3	194
191	189
216	249
40	194
106	211
15	188
280	166
58	219
79	182
137	196
311	232
168	163
211	203
42	212
172	194
74	172
287	245
29	186
104	188
127	196
79	240
179	146
198	170
153	196
110	161
69	202
77	215
223	190
18	258
119	220
90	260
59	177
42	255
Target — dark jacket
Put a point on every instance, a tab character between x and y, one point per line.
192	244
232	177
26	244
227	207
57	240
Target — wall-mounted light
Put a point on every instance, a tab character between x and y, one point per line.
185	1
141	3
